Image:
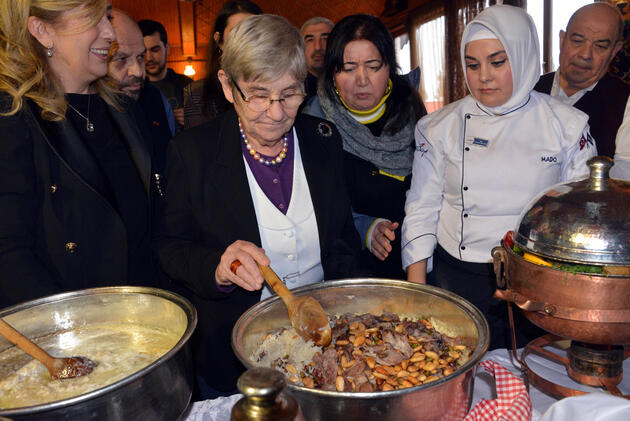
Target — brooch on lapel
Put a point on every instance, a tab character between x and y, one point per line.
324	129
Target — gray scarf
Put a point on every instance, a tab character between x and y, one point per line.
390	153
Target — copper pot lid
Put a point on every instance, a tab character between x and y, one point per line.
585	221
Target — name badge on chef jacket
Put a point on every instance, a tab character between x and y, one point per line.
477	142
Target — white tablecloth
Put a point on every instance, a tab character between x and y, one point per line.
219	409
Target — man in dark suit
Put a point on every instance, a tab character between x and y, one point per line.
591	41
126	70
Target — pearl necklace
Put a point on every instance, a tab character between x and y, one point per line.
275	161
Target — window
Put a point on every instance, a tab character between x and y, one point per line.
430	36
561	11
403	56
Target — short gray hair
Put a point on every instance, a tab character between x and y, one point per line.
264	48
316	20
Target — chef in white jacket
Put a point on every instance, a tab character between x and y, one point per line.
479	161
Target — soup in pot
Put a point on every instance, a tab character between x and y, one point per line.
119	349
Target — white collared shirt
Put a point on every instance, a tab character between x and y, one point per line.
558	92
290	241
474	173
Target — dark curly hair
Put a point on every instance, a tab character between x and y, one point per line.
404	103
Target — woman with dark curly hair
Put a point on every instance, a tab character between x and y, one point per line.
375	110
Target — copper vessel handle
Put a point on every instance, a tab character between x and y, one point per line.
500	263
520	301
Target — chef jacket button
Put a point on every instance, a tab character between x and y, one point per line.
53	188
463	247
290	257
288	234
465	215
466	148
465	188
71	247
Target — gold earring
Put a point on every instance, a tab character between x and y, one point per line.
389	87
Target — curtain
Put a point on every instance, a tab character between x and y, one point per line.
620	65
430	40
458	14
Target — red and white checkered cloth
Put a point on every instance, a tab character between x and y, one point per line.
512	402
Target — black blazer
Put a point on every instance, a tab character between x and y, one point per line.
57	233
605	106
209	206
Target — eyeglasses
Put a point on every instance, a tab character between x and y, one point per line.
260	103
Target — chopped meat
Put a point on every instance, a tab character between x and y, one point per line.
326	369
365	387
339	330
398	341
389	357
356	370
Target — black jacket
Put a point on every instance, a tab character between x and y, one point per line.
57	232
605	106
152	107
209	206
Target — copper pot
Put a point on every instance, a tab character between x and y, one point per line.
585	222
588	308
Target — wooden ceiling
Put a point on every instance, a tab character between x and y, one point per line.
189	23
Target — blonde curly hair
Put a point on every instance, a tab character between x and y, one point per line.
24	69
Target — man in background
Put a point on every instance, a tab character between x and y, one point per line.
126	70
592	39
166	80
315	32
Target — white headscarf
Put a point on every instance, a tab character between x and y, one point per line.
517	32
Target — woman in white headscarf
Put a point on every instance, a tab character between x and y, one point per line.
480	160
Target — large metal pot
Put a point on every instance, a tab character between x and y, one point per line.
160	391
585	222
447	398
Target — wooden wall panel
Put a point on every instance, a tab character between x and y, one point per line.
296	11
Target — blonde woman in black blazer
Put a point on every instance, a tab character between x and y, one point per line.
75	168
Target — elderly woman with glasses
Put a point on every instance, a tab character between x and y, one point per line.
260	185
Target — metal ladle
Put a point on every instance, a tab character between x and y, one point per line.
306	313
59	368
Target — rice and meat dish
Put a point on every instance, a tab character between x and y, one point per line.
367	354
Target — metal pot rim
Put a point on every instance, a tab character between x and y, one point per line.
473	312
183	303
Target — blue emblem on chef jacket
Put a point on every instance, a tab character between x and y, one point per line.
480	142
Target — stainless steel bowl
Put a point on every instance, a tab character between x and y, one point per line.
160	391
586	221
447	398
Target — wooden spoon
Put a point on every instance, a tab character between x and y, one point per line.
306	313
59	368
